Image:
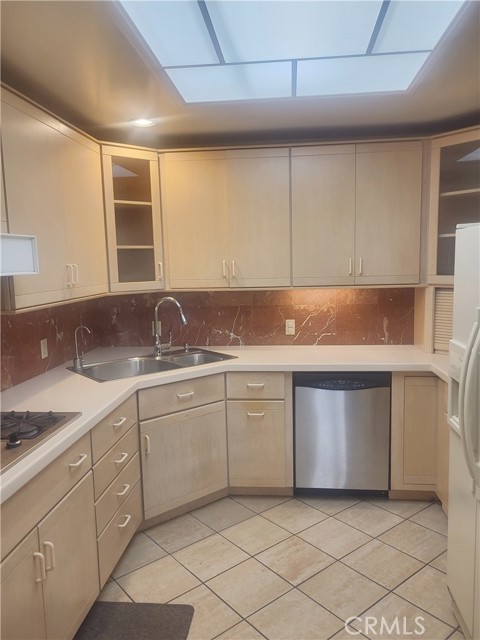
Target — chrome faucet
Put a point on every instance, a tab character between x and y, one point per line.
78	360
157	346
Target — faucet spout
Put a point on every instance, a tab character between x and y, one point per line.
78	360
157	346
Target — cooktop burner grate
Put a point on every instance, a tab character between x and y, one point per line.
27	425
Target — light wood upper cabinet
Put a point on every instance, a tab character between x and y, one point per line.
323	215
388	213
454	198
258	203
356	214
134	227
227	218
53	190
194	207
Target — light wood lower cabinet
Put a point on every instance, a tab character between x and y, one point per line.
184	453
442	445
50	580
116	474
414	424
259	419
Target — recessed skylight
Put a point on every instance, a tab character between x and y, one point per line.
224	50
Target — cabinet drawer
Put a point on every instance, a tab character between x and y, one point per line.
177	396
31	503
113	427
114	461
256	385
118	533
116	494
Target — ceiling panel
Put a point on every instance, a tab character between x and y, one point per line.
84	62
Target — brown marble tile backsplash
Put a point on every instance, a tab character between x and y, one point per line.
217	318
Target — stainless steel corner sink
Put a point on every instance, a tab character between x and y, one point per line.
196	357
142	365
117	369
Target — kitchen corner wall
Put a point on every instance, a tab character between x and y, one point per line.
218	318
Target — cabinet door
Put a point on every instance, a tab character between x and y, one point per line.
132	207
22	596
256	444
442	445
258	195
81	174
414	414
323	215
184	457
32	154
195	218
69	543
388	213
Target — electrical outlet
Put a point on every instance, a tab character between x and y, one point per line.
289	327
44	348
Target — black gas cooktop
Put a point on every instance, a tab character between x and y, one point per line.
22	431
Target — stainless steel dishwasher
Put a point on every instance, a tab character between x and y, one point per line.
342	431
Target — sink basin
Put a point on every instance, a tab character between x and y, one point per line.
141	365
194	358
117	369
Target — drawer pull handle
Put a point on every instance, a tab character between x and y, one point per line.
74	465
224	268
147	440
119	422
360	266
255	414
350	267
128	517
126	487
123	457
182	396
43	571
255	385
49	545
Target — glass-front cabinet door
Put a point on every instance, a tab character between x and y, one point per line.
455	198
132	204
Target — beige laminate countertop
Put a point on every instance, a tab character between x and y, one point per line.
61	390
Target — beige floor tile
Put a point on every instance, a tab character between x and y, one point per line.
248	587
222	514
295	616
294	515
295	560
428	589
402	508
255	534
330	506
457	635
382	563
241	631
260	503
368	518
111	592
334	537
433	518
178	533
342	590
415	540
440	563
211	615
160	581
404	621
141	551
210	556
343	634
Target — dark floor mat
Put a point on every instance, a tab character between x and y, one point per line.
136	621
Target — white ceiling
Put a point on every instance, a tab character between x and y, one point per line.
81	60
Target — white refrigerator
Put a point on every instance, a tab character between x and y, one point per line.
463	565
